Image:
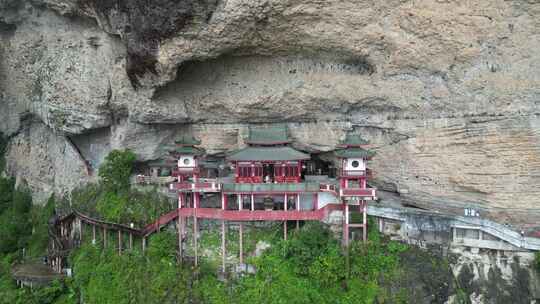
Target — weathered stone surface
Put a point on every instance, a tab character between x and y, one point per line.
60	70
447	92
46	162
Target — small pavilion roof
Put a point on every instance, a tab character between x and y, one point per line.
187	150
273	135
279	153
353	140
354	152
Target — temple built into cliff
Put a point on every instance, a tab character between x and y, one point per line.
269	180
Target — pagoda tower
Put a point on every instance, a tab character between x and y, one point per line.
187	158
353	174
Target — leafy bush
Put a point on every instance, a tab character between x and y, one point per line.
102	276
15	223
116	170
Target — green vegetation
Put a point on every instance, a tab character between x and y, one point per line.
116	171
114	200
308	267
15	219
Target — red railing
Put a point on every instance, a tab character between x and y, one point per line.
163	220
369	192
327	188
249	179
196	186
184	171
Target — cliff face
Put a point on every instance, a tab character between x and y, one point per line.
448	92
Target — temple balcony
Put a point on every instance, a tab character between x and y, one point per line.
363	194
199	186
356	173
271	188
185	171
158	180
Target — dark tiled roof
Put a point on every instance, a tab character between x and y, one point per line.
354	153
268	135
353	139
281	153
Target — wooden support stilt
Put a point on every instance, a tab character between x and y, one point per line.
346	226
195	249
119	242
179	229
364	230
297	226
94	234
80	231
285	201
104	237
130	241
223	246
285	230
144	244
241	243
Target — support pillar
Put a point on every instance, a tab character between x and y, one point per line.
285	202
223	246
346	226
241	243
144	244
239	197
252	202
130	241
364	211
104	237
93	234
195	230
180	236
285	230
223	201
80	228
119	242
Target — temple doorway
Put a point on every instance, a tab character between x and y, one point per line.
268	173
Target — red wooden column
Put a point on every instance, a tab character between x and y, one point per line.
195	230
364	210
224	201
346	225
241	242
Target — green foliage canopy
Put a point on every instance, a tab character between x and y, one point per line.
116	170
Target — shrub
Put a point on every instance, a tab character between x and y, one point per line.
116	170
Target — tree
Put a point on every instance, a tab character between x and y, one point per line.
116	170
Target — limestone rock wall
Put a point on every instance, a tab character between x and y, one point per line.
447	91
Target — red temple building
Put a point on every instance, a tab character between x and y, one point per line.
269	182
